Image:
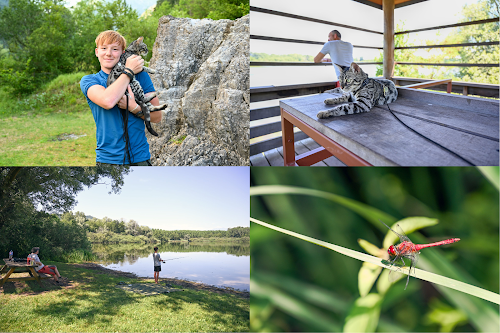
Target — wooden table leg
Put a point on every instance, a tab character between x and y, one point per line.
6	277
288	141
34	274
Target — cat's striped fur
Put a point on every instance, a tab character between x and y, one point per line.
137	47
360	92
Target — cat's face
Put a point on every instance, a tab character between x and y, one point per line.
350	79
138	47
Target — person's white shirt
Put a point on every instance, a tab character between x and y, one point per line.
340	52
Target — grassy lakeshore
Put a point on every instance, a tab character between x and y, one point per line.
89	301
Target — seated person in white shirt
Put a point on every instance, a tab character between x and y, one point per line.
52	270
340	52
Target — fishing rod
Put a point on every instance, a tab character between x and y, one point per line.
173	259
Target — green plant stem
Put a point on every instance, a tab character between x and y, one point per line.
420	274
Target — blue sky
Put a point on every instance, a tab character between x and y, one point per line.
173	198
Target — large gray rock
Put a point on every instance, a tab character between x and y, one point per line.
203	74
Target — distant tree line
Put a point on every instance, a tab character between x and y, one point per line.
281	57
166	235
42	38
109	231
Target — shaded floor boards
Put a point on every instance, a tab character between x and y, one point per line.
274	157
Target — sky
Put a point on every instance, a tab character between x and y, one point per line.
175	198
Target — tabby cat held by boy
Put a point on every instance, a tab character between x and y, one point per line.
137	47
360	92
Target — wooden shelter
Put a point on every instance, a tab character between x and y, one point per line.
264	130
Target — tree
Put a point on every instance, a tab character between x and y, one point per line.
50	189
37	34
228	9
132	228
30	198
483	9
93	17
479	33
198	9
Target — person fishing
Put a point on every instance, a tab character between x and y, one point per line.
157	264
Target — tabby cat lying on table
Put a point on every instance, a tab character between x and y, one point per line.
364	93
137	47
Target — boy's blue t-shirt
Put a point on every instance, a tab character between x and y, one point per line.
109	125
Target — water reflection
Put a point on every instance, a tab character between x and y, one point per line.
218	264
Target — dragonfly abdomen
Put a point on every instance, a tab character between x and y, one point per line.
443	242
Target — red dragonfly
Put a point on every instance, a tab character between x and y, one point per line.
406	249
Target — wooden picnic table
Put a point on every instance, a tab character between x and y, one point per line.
465	125
20	267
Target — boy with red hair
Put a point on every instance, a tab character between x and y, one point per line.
106	102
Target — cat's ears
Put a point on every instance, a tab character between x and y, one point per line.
354	68
140	39
341	68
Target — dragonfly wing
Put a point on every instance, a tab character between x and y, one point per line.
401	233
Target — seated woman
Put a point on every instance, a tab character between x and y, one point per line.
52	270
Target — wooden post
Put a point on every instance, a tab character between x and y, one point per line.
388	7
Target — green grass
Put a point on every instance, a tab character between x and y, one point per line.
32	126
178	141
94	304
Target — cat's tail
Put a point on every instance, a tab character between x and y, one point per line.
150	129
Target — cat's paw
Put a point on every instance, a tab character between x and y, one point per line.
331	101
323	114
330	113
148	70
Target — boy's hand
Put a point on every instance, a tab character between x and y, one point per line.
135	63
122	103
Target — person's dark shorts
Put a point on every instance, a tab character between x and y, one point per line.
157	268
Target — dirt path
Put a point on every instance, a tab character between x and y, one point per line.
182	283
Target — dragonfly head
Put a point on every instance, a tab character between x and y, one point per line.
391	250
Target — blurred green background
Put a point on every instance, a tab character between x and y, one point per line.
299	286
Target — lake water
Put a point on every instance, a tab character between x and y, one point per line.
217	265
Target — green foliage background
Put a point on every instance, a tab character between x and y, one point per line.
31	201
298	286
43	39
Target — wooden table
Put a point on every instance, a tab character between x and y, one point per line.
466	125
20	267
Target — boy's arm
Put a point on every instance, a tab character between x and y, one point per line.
108	97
